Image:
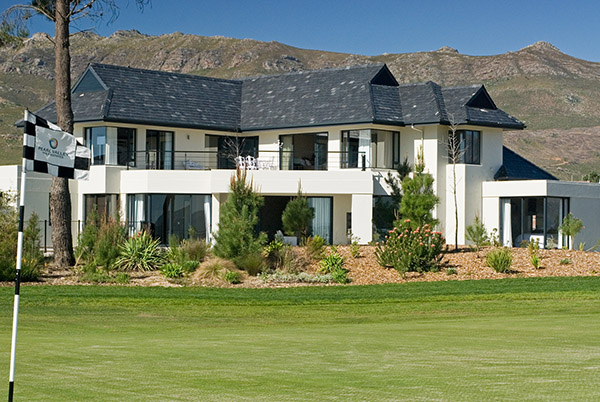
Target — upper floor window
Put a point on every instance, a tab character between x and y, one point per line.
465	147
373	148
111	145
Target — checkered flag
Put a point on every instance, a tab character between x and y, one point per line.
48	149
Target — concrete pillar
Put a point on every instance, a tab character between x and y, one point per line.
362	217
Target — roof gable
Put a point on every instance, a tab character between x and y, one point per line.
89	82
384	77
481	100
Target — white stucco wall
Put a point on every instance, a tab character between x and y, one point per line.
584	202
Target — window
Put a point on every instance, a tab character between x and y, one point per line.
379	148
468	145
224	149
111	145
303	151
159	149
165	215
105	205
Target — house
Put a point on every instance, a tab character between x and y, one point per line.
164	146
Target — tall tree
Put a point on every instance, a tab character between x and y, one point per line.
62	13
455	146
418	199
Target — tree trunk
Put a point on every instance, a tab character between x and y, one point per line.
60	198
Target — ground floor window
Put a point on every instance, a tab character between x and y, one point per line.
524	219
166	215
106	205
322	222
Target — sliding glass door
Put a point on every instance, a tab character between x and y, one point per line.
159	149
303	151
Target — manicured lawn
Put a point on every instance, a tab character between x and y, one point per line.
519	339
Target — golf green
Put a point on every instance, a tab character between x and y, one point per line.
518	339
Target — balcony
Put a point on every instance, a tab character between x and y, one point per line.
265	160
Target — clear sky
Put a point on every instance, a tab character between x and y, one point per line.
372	27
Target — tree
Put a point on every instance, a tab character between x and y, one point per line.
236	236
418	199
570	227
385	211
456	150
297	216
62	13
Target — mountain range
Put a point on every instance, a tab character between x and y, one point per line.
556	95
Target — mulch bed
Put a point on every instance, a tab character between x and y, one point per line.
364	269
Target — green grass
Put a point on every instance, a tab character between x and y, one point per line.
518	339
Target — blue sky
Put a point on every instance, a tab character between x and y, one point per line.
372	27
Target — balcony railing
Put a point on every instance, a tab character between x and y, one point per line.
265	160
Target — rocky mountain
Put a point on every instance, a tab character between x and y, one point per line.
539	84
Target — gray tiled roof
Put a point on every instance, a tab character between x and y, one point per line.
359	94
310	98
515	167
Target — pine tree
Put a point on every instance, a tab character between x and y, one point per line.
419	199
236	236
297	216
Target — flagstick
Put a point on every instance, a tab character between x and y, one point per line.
13	346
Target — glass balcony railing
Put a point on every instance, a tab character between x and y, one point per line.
265	160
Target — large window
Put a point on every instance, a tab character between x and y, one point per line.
467	146
111	145
303	151
532	218
376	148
224	149
164	215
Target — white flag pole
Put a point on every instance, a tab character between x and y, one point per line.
13	346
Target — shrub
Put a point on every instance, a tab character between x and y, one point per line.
451	271
536	261
238	219
354	247
233	277
32	260
331	263
315	247
273	253
194	249
340	275
190	266
300	277
570	227
476	233
212	270
499	259
533	246
140	253
411	250
296	216
564	261
99	241
172	270
253	263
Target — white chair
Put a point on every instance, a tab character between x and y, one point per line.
251	163
240	162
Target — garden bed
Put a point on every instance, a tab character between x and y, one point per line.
364	270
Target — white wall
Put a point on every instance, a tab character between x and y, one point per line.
584	202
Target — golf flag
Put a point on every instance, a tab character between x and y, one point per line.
48	149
